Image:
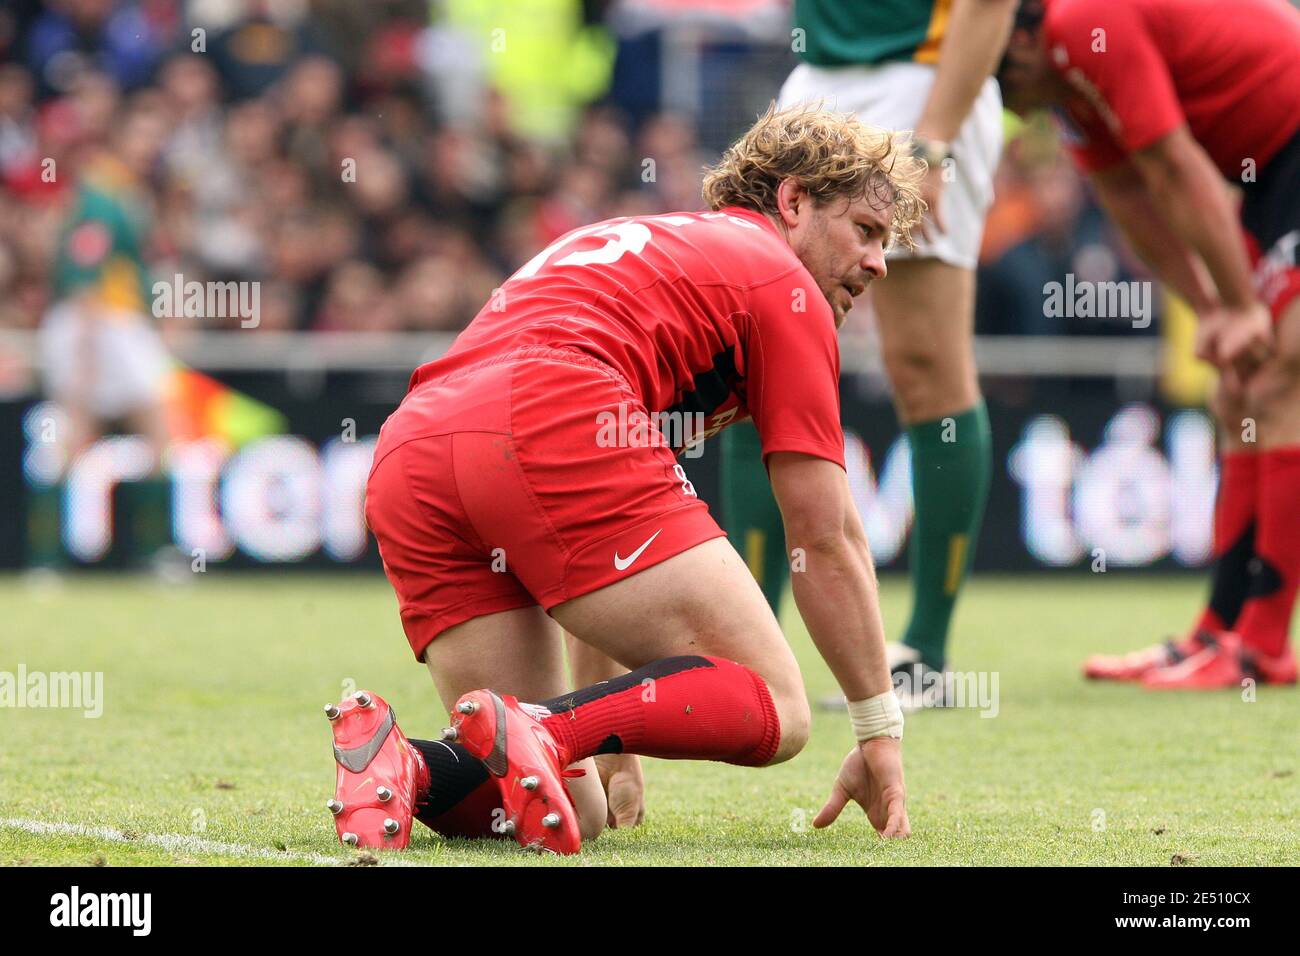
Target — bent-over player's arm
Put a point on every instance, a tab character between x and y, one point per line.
834	582
1132	86
1190	195
793	379
793	395
1124	196
1131	83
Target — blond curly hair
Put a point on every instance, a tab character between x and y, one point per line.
832	155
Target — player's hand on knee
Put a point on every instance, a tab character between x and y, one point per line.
1244	340
872	777
1208	326
620	775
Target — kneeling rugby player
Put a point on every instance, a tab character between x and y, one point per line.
504	513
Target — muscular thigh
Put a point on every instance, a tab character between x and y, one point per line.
925	313
519	652
702	601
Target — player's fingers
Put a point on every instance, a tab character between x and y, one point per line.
896	826
827	815
627	815
1205	342
626	800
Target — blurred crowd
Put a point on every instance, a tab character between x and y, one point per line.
361	161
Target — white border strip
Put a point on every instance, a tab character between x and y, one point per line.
176	842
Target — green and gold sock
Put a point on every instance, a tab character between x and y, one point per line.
952	460
147	517
750	515
44	543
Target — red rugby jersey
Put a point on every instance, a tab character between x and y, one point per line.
1229	69
708	313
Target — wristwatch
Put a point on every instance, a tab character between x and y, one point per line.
933	151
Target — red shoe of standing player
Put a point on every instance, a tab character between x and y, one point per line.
527	766
1134	666
1273	670
1223	662
380	775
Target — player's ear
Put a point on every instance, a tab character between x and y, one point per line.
791	201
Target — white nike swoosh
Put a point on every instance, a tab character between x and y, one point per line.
622	564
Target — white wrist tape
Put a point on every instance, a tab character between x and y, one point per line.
878	716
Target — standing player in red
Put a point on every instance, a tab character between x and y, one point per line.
517	490
1164	100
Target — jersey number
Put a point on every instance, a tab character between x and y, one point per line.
630	235
624	237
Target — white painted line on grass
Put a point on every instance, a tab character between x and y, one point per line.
174	842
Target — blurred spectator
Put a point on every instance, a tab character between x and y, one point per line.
380	167
123	40
260	48
17	121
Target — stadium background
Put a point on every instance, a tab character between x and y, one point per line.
479	131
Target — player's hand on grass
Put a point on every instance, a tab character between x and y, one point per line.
872	777
620	775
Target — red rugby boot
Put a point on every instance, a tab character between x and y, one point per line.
380	775
1134	666
1273	670
527	765
1218	664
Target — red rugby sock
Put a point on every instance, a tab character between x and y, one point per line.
1234	532
689	708
1266	619
472	816
461	797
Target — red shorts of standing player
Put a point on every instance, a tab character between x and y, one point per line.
1161	101
529	482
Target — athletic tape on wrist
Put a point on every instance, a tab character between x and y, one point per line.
878	716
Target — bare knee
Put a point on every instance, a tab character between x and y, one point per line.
795	719
1272	394
912	373
590	827
927	383
1273	397
1229	410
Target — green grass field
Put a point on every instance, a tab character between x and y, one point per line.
212	748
